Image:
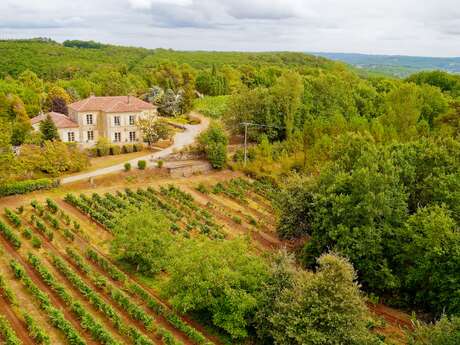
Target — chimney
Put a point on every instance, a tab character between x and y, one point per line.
129	98
91	95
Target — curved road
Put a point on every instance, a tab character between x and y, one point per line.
181	140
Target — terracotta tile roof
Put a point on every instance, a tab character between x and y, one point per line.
115	104
60	120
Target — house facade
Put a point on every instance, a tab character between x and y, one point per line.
114	118
68	130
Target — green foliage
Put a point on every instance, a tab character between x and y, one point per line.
316	304
10	235
102	147
141	164
8	333
391	209
52	158
154	130
13	217
36	242
23	187
48	129
219	279
445	332
214	143
212	106
143	239
38	334
127	166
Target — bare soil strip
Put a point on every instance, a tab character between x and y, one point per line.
55	300
17	324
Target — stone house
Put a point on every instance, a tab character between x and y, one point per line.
112	117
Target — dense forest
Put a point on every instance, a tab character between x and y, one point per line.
366	172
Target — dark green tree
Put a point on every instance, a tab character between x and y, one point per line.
48	129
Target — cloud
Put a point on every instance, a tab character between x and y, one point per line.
377	26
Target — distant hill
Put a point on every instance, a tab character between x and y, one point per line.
51	60
395	65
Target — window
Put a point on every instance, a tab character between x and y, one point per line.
116	120
132	136
117	137
132	119
89	119
70	136
90	135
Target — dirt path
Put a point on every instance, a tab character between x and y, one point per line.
56	302
58	247
18	325
181	140
266	240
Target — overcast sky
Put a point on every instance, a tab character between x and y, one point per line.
407	27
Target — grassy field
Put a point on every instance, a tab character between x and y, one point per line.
55	256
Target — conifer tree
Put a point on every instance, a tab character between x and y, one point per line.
48	129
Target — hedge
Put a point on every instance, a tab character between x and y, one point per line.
27	186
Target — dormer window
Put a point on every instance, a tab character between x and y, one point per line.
89	119
116	120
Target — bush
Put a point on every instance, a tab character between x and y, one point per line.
128	148
127	166
214	143
160	163
115	150
102	147
27	233
36	242
212	106
138	147
22	187
141	164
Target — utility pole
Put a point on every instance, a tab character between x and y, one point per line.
246	125
245	142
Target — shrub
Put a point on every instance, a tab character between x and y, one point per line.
138	147
160	163
128	148
52	206
115	150
27	186
7	332
27	233
127	166
237	219
10	235
202	188
36	242
214	143
102	147
13	217
141	164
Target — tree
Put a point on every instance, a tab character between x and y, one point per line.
445	332
325	307
218	279
143	239
214	143
430	260
403	110
287	93
6	152
59	105
153	130
282	274
48	129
